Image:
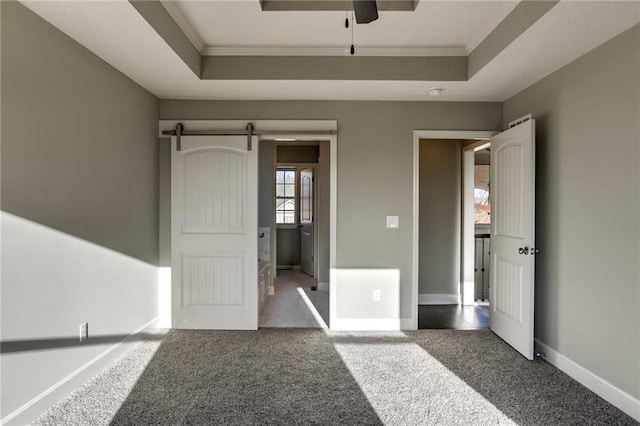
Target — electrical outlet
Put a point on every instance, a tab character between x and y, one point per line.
84	331
376	295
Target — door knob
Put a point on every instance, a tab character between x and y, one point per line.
523	250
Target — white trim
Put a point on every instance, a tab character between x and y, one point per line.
184	24
406	324
491	24
366	324
332	51
429	134
333	224
55	393
438	299
415	259
288	267
333	312
467	226
593	382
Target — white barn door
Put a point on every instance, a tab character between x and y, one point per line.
214	221
513	236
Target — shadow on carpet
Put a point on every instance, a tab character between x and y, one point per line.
273	376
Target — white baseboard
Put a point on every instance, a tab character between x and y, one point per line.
598	385
366	324
372	324
289	267
438	299
324	286
56	393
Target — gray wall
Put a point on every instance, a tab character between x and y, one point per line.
588	205
298	153
79	203
375	163
288	247
440	216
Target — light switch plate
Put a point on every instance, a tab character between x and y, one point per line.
393	222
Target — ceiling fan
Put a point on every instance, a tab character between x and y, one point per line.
365	11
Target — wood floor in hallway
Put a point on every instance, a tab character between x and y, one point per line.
453	317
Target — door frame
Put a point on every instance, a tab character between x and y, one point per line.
484	135
316	210
289	126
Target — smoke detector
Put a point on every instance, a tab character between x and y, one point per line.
435	91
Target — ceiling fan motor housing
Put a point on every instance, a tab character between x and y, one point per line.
365	10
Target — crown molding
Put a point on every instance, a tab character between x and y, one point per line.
184	24
491	24
333	51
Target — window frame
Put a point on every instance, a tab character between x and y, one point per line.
295	198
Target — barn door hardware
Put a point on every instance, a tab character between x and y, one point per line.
249	131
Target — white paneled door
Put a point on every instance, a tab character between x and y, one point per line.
214	221
513	236
306	222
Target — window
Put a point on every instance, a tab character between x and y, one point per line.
481	195
285	196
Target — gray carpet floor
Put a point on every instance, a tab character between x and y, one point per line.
307	376
286	308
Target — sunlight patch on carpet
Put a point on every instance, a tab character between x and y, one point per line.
418	390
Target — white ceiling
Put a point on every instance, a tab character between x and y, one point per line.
117	33
225	26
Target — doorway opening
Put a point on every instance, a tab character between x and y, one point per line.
481	225
294	199
512	274
447	183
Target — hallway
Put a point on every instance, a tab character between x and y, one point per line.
294	304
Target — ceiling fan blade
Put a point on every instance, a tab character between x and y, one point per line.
365	10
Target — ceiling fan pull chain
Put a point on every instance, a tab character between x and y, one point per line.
353	48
